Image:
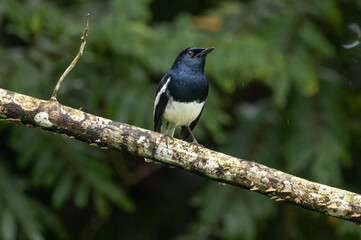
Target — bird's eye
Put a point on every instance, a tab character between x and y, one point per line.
190	53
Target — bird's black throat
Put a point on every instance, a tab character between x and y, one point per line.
188	87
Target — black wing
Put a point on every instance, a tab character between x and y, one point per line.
160	102
184	134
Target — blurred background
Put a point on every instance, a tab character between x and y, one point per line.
284	92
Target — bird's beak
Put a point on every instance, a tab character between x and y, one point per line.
205	52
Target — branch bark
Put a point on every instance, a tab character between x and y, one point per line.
97	131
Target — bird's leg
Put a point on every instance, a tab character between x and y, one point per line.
166	135
194	141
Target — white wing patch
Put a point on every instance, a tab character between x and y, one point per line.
181	114
161	91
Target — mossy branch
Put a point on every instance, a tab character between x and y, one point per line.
105	133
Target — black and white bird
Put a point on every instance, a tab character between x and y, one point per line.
181	94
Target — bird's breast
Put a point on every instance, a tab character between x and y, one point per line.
182	113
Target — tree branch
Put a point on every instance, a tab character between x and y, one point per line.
105	133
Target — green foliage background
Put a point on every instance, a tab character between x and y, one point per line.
284	92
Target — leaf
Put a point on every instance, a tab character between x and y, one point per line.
81	194
302	71
19	206
101	205
8	225
63	189
50	219
228	213
312	36
107	189
42	166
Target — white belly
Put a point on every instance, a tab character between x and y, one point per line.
181	114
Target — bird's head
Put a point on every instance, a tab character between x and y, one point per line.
193	57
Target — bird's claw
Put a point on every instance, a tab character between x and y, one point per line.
194	142
166	135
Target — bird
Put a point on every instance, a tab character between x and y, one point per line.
181	95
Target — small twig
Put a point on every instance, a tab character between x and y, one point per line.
73	63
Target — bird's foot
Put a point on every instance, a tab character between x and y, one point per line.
166	136
195	142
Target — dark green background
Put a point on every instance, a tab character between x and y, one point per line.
284	92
